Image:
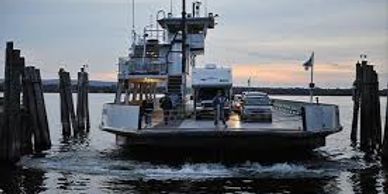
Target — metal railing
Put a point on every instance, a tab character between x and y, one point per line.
288	106
149	68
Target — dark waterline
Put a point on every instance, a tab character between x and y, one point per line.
92	163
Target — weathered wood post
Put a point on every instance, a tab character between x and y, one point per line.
4	119
67	106
377	112
28	71
11	129
386	113
4	131
80	112
25	123
65	120
86	100
385	140
69	100
19	122
370	110
82	100
41	112
37	109
13	111
356	102
364	128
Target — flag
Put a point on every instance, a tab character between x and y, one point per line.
309	63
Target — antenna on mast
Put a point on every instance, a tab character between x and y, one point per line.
171	6
205	8
133	21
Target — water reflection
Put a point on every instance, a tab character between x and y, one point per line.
92	163
365	181
73	143
71	182
17	180
232	185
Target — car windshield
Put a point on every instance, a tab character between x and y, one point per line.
262	100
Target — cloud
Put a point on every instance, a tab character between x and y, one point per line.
273	35
108	76
291	75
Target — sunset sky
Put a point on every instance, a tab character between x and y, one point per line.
267	40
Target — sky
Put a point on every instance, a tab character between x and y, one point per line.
267	40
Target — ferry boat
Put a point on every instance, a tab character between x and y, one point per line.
162	59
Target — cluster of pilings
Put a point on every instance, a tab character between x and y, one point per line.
80	122
367	107
23	124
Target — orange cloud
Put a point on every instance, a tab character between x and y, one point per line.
106	76
291	74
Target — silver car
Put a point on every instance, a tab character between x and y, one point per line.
256	107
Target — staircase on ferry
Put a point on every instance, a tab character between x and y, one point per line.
174	86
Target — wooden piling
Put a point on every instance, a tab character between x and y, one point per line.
86	101
26	131
82	101
385	140
80	115
356	102
376	112
4	119
42	113
20	122
386	114
13	129
65	119
70	101
26	147
67	105
13	111
370	111
37	110
28	84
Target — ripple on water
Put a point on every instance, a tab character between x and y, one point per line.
94	163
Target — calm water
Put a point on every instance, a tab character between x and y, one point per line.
94	164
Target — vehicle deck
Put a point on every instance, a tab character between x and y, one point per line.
286	131
280	122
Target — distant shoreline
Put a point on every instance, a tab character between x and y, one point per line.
236	90
51	86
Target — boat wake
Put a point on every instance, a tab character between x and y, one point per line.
91	163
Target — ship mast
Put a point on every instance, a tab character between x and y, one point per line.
184	34
133	23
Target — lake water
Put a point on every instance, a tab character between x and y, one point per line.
94	164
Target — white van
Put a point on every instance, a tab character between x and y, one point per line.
206	82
